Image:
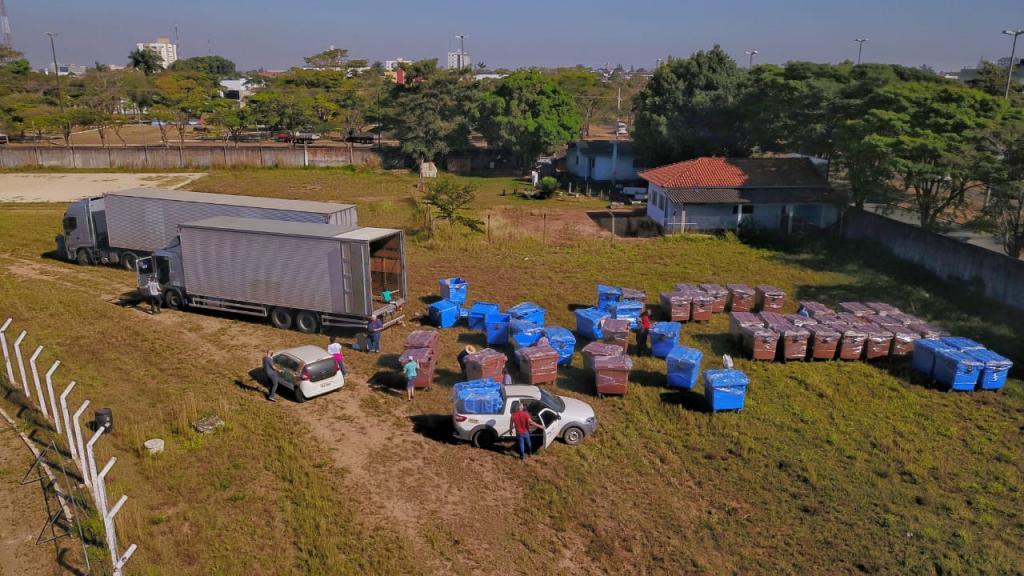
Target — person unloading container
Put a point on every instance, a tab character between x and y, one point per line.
334	349
410	369
642	330
506	377
373	330
523	423
462	357
153	293
272	371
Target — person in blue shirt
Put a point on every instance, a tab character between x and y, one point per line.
410	369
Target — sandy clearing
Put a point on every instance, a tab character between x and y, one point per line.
65	187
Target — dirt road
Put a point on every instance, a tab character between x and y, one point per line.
65	187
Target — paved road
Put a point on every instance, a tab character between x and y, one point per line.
67	186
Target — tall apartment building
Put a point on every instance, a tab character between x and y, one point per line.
164	47
459	60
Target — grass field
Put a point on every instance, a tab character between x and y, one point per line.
833	468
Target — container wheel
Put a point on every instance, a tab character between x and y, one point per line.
306	322
572	436
484	438
174	300
83	257
128	260
281	318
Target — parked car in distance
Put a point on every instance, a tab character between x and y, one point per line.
565	418
4	139
283	137
319	376
361	137
304	137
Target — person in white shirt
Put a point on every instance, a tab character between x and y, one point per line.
153	293
334	349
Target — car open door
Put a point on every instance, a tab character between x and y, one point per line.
550	420
144	268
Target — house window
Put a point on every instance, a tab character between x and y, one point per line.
747	209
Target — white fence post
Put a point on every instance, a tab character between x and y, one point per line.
21	362
90	459
7	355
53	398
121	562
68	433
39	386
108	515
83	465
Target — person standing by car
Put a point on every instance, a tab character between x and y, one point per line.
334	349
272	372
153	294
373	330
506	377
523	422
643	328
410	369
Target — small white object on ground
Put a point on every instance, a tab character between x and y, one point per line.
154	445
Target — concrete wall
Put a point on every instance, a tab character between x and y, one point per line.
579	166
1000	277
189	156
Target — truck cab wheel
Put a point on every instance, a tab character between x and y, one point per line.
281	318
306	322
174	300
83	257
128	260
485	438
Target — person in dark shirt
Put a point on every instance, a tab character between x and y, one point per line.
523	422
272	372
642	329
462	357
373	330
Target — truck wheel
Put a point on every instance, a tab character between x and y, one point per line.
128	260
83	257
484	438
306	322
281	318
572	435
174	300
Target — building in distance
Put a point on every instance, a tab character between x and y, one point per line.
163	46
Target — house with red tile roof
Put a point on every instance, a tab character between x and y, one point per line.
713	193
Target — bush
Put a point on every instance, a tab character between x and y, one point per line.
546	187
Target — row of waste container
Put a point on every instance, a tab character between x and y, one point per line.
960	364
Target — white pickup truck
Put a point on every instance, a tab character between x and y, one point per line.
565	418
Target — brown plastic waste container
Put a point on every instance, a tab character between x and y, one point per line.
928	331
878	342
617	332
423	339
741	297
800	320
701	306
858	309
720	295
881	308
611	375
631	294
740	320
676	305
760	343
539	364
486	363
793	341
685	287
769	298
853	319
816	309
427	360
903	339
596	350
824	341
770	318
851	345
902	318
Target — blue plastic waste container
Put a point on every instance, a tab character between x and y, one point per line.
607	295
923	359
496	329
683	367
961	344
528	311
627	310
454	289
463	389
957	370
725	389
478	314
526	337
588	322
479	397
994	368
444	314
664	337
563	342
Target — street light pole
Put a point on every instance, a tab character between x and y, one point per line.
860	47
1013	53
751	54
56	70
462	50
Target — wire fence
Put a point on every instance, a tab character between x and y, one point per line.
70	439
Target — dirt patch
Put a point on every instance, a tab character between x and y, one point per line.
66	187
557	227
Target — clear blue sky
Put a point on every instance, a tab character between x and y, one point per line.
275	34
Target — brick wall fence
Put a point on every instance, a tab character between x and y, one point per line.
998	276
186	157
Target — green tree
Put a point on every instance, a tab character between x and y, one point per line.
230	116
1003	217
448	197
281	109
216	66
433	116
688	109
336	58
991	79
103	92
146	60
185	95
529	114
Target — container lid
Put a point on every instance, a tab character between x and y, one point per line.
677	297
593	314
453	281
667	329
816	307
497	318
684	354
524	309
932	344
961	343
484	307
420	355
537	353
422	339
602	349
991	359
626	306
725	378
740	289
958	357
487	354
608	290
746	318
444	305
616	326
770	290
620	362
823	330
632	294
714	289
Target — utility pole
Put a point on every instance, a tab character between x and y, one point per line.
462	50
750	53
860	47
56	73
1013	54
615	144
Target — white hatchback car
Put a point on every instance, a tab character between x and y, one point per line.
319	374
